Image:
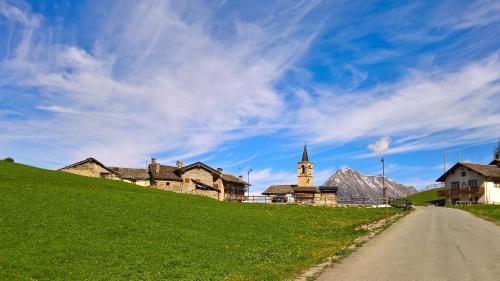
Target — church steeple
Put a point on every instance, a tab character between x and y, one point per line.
305	170
305	157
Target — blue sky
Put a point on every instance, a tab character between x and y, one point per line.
240	84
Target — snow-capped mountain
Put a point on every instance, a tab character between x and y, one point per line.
352	183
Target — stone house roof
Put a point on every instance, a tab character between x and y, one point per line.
131	173
233	179
489	171
88	160
280	189
201	185
165	173
198	165
309	189
169	173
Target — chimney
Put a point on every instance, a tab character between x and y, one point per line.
179	164
155	165
241	177
220	170
497	158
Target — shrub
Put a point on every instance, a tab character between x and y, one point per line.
9	159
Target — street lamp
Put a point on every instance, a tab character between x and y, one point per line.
384	190
248	181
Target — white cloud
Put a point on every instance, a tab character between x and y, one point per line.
15	14
262	179
436	109
161	80
380	146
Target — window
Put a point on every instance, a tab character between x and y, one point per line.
104	175
497	184
472	183
463	173
186	180
455	185
303	169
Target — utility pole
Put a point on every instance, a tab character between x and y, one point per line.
384	190
444	162
248	181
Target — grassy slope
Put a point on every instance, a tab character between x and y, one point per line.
61	226
422	198
489	212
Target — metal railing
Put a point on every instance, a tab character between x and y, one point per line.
362	201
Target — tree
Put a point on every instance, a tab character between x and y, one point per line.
9	159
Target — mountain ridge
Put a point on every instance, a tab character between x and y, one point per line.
352	183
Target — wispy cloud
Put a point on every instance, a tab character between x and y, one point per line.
432	105
161	80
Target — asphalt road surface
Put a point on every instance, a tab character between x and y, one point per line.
431	243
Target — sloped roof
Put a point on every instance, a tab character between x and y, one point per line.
233	179
88	160
490	171
201	185
196	165
165	173
131	173
306	189
280	189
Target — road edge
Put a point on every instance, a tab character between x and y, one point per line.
374	228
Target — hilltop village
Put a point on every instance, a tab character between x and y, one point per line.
201	179
464	182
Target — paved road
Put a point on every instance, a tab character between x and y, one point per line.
429	244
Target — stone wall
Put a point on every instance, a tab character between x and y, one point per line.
208	193
175	186
326	199
91	170
200	175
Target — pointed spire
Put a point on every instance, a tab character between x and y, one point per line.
305	157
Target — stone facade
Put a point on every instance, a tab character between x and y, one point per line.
197	174
176	186
197	178
91	168
305	174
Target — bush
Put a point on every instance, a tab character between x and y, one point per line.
9	159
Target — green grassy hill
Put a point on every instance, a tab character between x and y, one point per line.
422	198
489	212
59	226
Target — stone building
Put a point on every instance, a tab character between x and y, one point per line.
304	191
197	178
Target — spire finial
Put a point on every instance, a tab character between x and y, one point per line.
305	157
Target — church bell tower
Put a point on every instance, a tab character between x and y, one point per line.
305	170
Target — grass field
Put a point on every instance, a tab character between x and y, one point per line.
489	212
422	198
59	226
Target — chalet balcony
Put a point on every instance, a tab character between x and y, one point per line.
458	191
